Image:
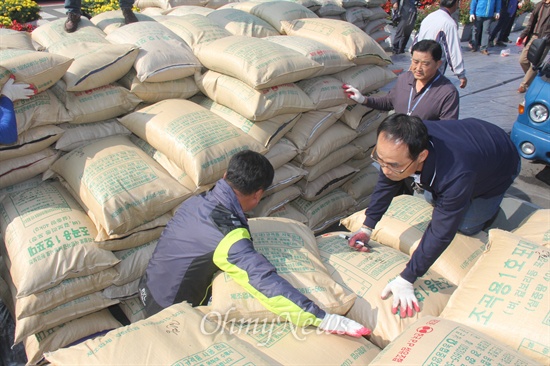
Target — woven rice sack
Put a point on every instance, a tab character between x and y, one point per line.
162	56
22	186
277	11
41	69
17	170
187	9
358	15
256	62
133	262
355	112
342	36
54	32
288	212
312	124
133	308
332	60
362	184
291	248
39	110
366	78
197	140
10	38
109	21
270	203
122	186
285	176
367	274
436	341
334	160
505	295
255	105
365	144
281	153
326	182
324	91
380	35
536	227
67	333
128	290
266	132
155	92
375	26
370	122
331	9
165	333
144	4
94	105
77	135
31	141
241	23
195	29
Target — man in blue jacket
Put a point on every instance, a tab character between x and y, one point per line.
209	233
11	91
482	13
465	167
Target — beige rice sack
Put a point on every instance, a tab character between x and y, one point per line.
144	4
380	36
290	246
324	91
345	37
80	134
17	170
165	333
51	250
39	110
288	212
128	290
155	92
195	29
285	176
370	122
366	78
10	38
255	105
354	114
334	160
54	32
437	341
367	274
360	163
41	69
255	61
281	153
331	9
505	295
31	141
67	333
326	210
110	21
98	104
133	262
335	137
365	144
312	124
277	11
362	184
180	10
197	140
375	25
241	23
270	203
326	182
357	15
162	56
266	132
22	186
133	308
332	60
122	186
536	227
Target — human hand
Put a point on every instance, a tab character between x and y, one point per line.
472	18
520	41
463	82
338	324
359	240
403	296
497	15
15	91
353	93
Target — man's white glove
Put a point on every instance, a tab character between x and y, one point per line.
497	15
472	18
339	324
353	93
359	240
15	91
403	296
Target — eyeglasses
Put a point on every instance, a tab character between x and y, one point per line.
374	156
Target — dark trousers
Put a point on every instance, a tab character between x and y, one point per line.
404	29
503	27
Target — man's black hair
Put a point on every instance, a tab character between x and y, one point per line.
249	171
447	3
407	129
429	46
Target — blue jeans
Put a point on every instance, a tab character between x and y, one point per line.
73	6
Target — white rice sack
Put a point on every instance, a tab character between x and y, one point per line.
31	141
324	91
257	62
366	78
345	37
109	21
121	185
241	23
163	56
197	140
274	12
255	105
195	29
19	169
76	135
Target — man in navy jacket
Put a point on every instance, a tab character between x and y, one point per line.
465	167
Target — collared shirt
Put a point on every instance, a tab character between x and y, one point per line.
472	159
440	102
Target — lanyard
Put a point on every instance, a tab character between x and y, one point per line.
409	110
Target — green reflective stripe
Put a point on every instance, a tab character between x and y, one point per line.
279	305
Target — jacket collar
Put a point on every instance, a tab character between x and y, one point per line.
224	194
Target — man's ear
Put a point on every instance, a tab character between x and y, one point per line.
439	63
224	175
258	194
423	155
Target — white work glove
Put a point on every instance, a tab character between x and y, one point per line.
403	296
15	91
362	235
497	15
353	93
472	18
338	324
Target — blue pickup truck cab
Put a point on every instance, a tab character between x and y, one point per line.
531	131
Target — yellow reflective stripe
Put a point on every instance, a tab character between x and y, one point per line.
279	305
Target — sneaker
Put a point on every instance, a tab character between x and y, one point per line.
72	22
485	52
129	16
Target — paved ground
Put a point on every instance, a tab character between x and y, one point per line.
490	95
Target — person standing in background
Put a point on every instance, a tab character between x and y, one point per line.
406	10
441	27
74	12
482	13
501	32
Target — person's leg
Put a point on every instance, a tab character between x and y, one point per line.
480	211
497	29
73	14
126	4
478	27
399	34
507	29
126	7
485	26
73	6
409	27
